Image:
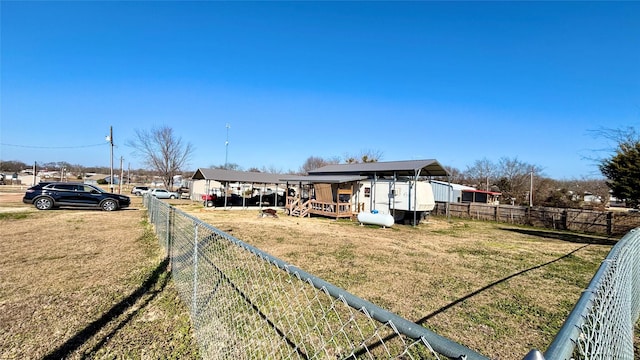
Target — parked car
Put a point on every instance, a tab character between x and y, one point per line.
139	190
46	196
184	192
267	199
214	200
232	200
164	194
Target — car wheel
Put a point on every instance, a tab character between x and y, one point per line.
43	203
172	197
209	203
109	205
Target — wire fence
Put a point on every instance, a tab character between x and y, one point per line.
246	304
601	325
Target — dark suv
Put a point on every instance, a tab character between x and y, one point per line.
50	195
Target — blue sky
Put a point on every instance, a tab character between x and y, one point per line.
454	81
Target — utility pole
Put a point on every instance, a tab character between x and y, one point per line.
226	147
531	189
121	176
110	140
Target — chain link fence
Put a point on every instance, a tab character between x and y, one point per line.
246	304
601	325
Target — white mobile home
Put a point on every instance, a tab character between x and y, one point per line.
343	190
398	198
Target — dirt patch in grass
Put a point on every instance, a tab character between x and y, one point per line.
86	283
498	289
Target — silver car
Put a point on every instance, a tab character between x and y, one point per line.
164	194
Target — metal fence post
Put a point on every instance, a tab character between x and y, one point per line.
194	301
170	222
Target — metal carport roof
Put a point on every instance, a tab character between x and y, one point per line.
223	175
429	167
327	179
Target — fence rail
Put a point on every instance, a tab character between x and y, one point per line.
592	221
246	304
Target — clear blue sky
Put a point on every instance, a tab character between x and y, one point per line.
454	81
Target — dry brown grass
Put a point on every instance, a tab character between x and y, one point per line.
85	283
498	289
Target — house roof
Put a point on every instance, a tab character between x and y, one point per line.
453	186
224	175
428	167
481	191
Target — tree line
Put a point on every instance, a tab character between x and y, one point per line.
520	183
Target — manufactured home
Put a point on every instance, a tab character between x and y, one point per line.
398	198
398	188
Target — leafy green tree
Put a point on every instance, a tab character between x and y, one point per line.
622	171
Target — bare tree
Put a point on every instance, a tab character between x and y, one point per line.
455	176
227	166
271	169
315	162
12	166
515	179
365	156
161	150
482	173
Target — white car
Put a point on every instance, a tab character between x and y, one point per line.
164	194
139	190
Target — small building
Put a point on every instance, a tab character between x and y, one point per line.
447	192
481	196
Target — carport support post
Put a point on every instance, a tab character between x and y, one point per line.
415	197
372	193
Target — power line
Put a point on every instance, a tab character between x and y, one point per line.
54	147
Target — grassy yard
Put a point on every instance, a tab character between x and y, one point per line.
86	284
501	290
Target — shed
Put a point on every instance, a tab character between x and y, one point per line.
446	192
480	196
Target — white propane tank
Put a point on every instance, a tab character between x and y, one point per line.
385	220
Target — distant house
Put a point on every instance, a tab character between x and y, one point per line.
481	196
456	193
95	178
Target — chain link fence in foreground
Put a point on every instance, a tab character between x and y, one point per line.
246	304
601	325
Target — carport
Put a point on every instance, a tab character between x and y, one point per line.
227	177
411	169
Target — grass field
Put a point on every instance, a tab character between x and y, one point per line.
498	289
87	283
